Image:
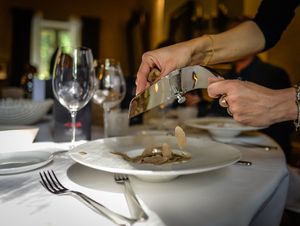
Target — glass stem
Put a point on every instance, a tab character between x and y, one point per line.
73	117
106	121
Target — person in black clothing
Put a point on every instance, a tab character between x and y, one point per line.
249	103
253	69
268	106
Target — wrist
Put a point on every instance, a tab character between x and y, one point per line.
202	50
286	107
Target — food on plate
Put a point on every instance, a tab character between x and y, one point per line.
180	137
161	154
157	155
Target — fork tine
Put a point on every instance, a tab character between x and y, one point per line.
50	182
46	184
119	176
116	175
42	183
124	176
56	180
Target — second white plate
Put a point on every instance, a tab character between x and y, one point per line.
221	128
23	161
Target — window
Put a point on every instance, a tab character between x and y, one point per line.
47	35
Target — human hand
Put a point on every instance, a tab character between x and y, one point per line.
252	104
165	60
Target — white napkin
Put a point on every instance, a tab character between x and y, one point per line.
12	137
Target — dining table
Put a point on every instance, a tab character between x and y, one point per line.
237	194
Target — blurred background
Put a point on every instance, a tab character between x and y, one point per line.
31	30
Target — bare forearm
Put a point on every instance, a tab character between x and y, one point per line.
224	47
230	45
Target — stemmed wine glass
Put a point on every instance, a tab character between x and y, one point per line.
73	80
111	87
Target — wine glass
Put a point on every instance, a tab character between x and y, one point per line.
73	80
111	87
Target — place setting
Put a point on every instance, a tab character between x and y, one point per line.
136	167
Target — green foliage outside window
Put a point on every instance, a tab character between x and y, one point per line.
50	39
64	39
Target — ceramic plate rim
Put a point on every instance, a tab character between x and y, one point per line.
45	157
194	123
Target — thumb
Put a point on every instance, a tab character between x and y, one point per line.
215	87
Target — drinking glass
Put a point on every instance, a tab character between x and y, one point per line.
111	87
73	80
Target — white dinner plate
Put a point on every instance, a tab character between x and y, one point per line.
23	161
206	155
153	132
221	128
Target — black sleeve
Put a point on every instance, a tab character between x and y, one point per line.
273	16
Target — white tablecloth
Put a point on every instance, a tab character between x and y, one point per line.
235	195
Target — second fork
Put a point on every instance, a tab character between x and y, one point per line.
134	205
52	184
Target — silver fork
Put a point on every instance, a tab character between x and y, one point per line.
135	207
52	184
